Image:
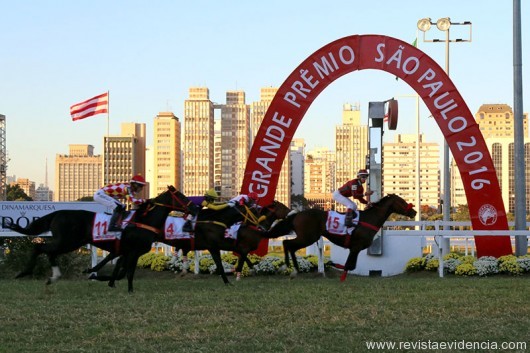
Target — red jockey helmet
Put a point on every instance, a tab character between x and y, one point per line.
138	179
362	173
254	196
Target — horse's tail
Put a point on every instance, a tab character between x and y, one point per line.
36	227
281	228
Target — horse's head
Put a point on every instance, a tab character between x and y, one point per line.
171	199
275	210
402	207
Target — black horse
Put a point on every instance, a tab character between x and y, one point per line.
72	229
310	224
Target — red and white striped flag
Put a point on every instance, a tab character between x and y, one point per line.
97	105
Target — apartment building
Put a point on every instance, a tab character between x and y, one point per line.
78	174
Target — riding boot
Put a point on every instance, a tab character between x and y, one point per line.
187	227
115	220
348	220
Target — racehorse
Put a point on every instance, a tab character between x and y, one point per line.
72	229
310	224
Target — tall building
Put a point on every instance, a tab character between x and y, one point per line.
217	160
496	122
258	111
167	168
27	186
235	142
351	141
198	149
125	155
78	174
43	193
3	158
399	171
319	171
297	153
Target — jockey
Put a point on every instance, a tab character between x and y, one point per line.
250	200
353	188
210	198
111	195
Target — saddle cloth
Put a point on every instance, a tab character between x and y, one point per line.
335	223
231	232
173	229
100	227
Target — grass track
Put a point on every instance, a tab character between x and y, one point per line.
309	314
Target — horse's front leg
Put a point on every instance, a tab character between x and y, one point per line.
131	268
99	266
28	270
119	270
351	262
240	263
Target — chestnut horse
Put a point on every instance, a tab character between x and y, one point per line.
310	224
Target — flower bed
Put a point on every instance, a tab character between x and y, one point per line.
267	265
470	266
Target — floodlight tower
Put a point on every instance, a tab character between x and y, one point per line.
3	158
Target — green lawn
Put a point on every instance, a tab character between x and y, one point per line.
168	313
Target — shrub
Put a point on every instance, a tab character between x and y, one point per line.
268	265
451	264
451	255
415	264
486	265
17	251
160	263
465	269
510	266
432	264
524	263
469	259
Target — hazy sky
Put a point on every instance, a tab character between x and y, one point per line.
148	53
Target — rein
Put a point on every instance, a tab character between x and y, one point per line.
248	216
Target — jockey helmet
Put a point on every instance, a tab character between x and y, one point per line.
362	173
138	179
254	196
211	193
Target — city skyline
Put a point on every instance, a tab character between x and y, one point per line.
148	57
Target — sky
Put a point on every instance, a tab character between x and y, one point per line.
56	53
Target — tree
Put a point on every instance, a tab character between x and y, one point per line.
15	193
299	202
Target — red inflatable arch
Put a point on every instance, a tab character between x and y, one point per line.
428	79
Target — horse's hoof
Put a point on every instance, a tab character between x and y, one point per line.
112	285
88	270
93	276
21	274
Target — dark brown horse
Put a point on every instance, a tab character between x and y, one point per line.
310	224
210	234
72	229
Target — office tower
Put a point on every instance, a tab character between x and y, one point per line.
3	158
78	174
297	153
217	170
125	155
166	152
235	142
319	171
496	122
351	141
258	111
43	193
198	149
399	172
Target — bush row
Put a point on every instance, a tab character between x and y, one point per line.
470	266
267	265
